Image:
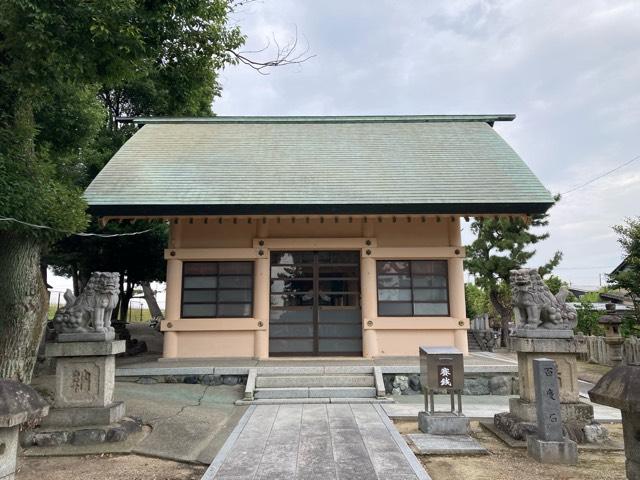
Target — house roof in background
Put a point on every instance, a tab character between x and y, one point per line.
451	164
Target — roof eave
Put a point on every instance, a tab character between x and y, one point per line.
471	209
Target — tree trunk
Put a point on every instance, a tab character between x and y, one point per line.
76	281
505	314
152	303
23	305
124	302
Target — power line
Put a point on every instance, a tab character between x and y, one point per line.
67	232
601	175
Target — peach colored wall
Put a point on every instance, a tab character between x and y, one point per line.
406	342
215	344
389	237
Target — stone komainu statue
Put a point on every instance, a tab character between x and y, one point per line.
534	304
91	311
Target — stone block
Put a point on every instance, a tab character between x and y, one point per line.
107	336
513	426
270	393
230	380
595	433
84	349
500	385
191	379
116	434
569	412
84	381
427	444
49	439
79	416
88	436
131	424
443	424
476	386
567	375
211	380
561	453
8	451
342	392
544	333
548	345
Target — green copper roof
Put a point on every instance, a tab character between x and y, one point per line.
261	165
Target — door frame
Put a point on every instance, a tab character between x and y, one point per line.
316	307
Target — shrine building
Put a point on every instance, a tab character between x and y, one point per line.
315	236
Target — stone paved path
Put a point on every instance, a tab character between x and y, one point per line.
315	441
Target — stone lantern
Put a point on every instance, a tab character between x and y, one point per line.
620	388
19	404
611	322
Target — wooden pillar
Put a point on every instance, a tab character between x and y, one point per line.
261	307
369	306
172	309
456	290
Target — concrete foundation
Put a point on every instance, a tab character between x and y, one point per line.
85	379
80	416
569	412
443	424
562	453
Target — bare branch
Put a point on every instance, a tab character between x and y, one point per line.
289	54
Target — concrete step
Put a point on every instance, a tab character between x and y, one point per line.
315	381
288	401
315	392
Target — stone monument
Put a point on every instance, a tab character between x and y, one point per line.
85	352
19	404
620	388
544	329
548	445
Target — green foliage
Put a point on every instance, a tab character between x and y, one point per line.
588	318
554	283
68	68
476	300
628	278
629	326
502	245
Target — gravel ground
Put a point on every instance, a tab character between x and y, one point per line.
505	463
106	467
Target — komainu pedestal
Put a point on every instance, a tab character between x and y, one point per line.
544	330
85	379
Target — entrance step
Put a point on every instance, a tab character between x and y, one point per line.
312	392
271	381
325	384
288	401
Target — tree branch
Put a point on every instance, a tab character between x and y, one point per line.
288	54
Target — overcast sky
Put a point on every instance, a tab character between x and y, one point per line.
569	70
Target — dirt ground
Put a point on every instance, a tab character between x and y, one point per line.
505	463
105	467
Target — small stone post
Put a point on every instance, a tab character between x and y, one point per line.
549	444
19	404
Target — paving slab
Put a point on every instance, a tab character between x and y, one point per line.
315	441
428	444
476	407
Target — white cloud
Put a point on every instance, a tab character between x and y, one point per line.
569	70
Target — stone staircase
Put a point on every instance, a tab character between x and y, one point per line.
337	384
474	346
